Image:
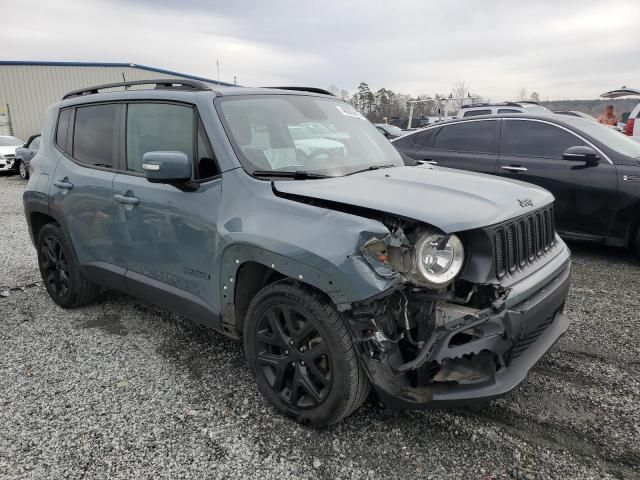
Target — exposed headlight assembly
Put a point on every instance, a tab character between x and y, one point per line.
437	260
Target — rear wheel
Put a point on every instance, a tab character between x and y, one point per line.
60	271
302	356
22	169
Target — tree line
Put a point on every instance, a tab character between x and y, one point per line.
385	104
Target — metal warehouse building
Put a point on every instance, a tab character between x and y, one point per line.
27	89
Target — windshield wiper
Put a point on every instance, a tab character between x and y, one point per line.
373	167
298	174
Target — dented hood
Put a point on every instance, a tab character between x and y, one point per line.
451	200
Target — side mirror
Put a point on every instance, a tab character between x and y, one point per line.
581	154
166	167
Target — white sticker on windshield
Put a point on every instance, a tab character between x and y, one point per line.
349	111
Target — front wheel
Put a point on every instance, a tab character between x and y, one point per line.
302	356
23	170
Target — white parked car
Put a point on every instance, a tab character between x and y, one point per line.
312	145
632	127
476	109
8	147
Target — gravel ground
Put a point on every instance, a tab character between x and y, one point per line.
123	389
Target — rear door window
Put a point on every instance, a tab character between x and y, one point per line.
536	139
94	139
475	136
508	110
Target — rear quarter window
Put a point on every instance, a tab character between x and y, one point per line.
62	129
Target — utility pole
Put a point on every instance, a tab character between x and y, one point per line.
218	68
411	104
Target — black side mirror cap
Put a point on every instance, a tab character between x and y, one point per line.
581	153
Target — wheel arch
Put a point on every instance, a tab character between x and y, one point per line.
245	269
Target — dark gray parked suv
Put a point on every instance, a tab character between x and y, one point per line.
341	268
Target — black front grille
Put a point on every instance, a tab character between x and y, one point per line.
521	241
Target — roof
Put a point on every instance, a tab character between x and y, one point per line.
116	65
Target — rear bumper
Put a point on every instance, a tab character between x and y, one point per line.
519	335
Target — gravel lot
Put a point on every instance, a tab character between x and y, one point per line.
123	389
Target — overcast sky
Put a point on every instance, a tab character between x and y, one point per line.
560	48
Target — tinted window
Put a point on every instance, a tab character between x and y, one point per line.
535	139
474	113
94	135
424	138
467	137
153	127
35	144
508	110
63	128
206	166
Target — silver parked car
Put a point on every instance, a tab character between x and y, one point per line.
24	154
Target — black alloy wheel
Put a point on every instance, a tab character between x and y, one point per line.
302	355
293	356
54	268
60	271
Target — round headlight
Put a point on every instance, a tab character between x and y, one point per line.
438	259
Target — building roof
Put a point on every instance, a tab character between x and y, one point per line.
103	64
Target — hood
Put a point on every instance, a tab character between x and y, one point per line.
8	150
621	92
451	200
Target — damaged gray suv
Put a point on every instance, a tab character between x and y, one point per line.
342	265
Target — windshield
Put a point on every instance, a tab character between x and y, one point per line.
10	142
610	137
274	133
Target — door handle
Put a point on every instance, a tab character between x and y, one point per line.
126	200
513	168
430	162
63	184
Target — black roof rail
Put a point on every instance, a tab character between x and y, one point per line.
178	84
305	89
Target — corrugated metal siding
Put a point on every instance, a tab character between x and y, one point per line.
30	89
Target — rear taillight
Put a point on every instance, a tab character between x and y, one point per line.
630	123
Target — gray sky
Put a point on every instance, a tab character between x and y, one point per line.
560	48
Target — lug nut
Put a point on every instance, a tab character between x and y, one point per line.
286	352
302	362
290	342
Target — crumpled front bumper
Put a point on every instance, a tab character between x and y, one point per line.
531	327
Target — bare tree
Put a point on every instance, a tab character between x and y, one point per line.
334	90
535	96
344	94
459	92
522	94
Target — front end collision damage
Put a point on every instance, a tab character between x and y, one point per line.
420	346
468	341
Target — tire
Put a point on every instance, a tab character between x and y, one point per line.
23	170
60	271
636	243
302	356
